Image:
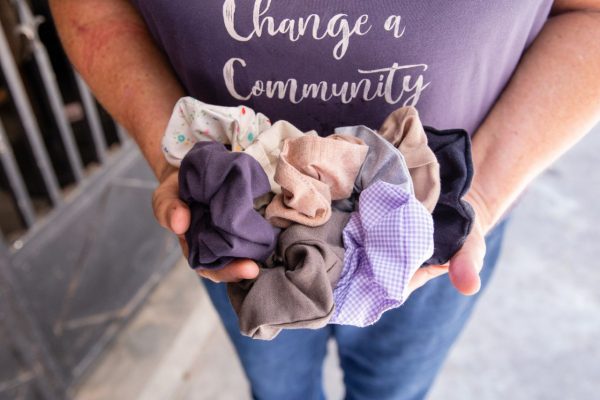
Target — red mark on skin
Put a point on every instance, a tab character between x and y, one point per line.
243	111
81	29
100	35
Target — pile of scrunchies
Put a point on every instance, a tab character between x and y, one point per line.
338	224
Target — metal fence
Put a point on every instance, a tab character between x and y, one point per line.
79	249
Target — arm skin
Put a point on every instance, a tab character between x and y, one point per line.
552	100
108	43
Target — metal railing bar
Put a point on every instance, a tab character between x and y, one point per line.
93	117
78	198
15	179
122	134
31	347
29	28
26	114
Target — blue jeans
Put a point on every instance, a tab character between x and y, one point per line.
397	358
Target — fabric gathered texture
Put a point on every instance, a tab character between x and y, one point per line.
313	171
385	241
383	162
294	288
219	188
194	121
338	225
403	129
453	216
267	146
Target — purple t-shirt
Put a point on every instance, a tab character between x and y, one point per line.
324	64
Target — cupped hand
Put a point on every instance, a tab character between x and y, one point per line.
464	267
173	214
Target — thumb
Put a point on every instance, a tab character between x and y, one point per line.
467	262
169	210
178	217
235	271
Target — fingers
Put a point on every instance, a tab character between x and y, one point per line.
233	272
178	217
173	214
169	210
424	275
467	262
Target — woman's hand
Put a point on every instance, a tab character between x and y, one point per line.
173	214
465	265
536	119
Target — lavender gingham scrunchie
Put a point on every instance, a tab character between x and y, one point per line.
386	241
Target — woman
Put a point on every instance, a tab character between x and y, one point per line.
524	84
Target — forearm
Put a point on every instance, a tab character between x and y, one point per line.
109	44
552	100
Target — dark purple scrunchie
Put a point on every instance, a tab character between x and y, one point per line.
219	187
452	216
